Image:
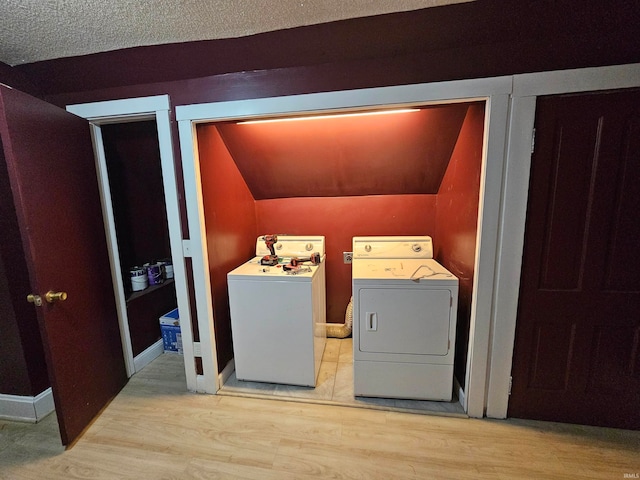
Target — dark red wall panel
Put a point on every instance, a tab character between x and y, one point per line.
339	219
16	355
457	219
137	193
14	78
23	370
230	220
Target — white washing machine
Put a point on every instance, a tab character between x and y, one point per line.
404	319
277	318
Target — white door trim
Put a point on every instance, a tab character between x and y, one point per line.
526	89
495	91
136	109
196	248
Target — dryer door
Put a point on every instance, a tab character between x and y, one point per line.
409	321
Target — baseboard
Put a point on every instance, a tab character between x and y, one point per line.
226	372
149	355
26	409
460	391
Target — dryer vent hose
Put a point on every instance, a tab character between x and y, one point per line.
342	330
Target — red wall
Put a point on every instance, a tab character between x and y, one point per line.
341	218
230	221
456	222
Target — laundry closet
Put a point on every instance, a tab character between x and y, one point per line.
397	171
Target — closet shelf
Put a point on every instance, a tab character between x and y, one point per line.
134	295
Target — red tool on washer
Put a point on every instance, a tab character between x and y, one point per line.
296	266
272	259
315	259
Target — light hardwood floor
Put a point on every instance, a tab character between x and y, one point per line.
154	429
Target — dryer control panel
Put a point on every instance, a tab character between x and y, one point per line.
392	247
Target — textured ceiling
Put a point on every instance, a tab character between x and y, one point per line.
34	30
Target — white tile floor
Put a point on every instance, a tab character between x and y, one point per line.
335	386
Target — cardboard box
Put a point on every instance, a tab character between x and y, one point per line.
170	329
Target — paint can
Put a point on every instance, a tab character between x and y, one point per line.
168	269
154	274
138	277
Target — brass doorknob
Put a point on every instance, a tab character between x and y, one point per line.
52	296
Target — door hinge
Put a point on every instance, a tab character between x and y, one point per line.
533	140
197	349
510	384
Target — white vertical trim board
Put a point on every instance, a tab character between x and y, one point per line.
510	246
209	380
29	409
486	253
112	246
169	180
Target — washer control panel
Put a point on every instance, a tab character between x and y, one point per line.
292	245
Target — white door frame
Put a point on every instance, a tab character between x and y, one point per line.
526	89
495	91
128	110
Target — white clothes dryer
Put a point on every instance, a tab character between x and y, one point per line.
404	319
278	318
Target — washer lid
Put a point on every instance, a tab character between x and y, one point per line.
393	247
402	270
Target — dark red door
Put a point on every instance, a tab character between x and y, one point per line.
53	179
577	353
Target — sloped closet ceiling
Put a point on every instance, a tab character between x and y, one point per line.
391	154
